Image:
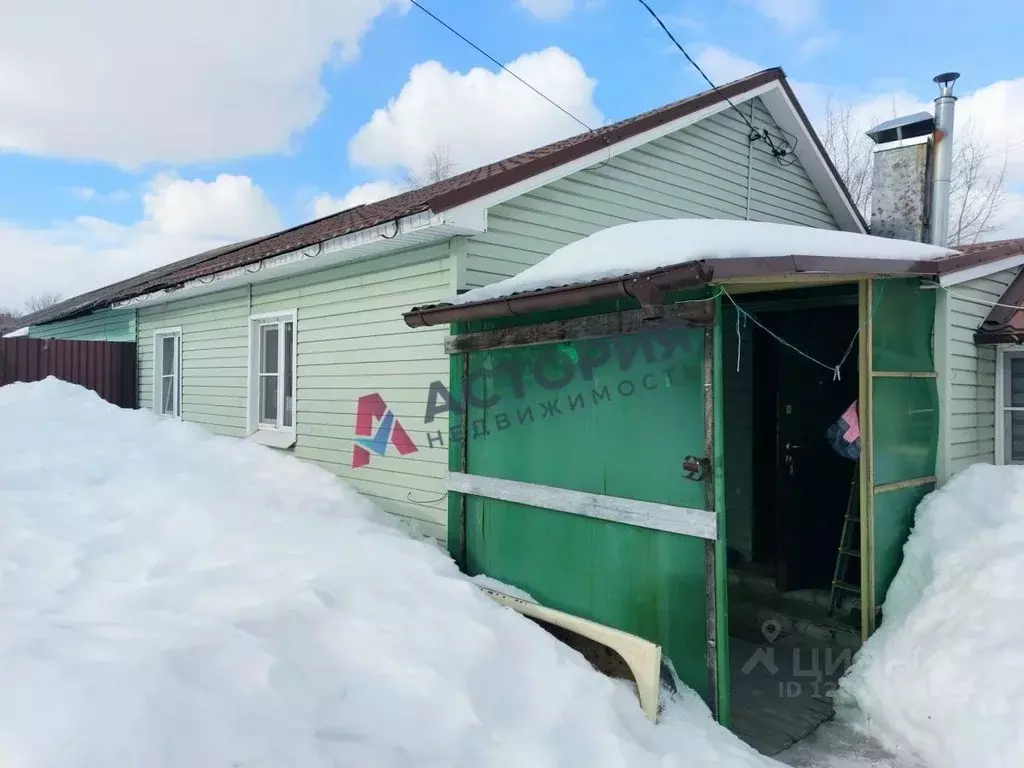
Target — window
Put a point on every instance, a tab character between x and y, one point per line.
167	372
1010	408
272	379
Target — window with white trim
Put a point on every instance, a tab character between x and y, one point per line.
167	372
272	375
1010	407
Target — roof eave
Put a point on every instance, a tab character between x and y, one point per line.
643	285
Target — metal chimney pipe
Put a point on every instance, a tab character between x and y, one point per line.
942	160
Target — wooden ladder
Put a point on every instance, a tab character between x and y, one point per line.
849	550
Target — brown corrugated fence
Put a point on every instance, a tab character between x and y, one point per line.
106	367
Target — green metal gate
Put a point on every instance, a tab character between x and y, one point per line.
588	470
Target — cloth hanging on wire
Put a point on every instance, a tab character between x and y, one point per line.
844	434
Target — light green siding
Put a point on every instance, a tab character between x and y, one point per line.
214	357
968	373
705	170
101	325
351	341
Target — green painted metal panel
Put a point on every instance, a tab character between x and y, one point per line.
904	417
902	320
101	325
609	416
905	423
894	517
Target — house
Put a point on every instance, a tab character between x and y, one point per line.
650	450
713	435
296	339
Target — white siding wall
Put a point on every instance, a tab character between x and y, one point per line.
969	435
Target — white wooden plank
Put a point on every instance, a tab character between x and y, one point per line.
644	514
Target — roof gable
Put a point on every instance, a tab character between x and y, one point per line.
489	184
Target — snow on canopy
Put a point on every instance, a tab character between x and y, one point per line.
645	245
173	598
943	677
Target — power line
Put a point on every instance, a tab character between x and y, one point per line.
480	50
755	134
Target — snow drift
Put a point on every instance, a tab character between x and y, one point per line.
943	678
171	598
644	245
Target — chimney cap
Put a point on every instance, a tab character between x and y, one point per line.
906	127
946	79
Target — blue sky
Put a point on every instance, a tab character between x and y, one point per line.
127	144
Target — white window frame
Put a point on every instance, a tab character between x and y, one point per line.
158	375
1003	352
277	435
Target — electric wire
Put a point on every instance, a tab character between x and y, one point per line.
755	134
484	53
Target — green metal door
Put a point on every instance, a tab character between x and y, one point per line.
613	419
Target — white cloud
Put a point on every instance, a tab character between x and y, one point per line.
723	66
548	10
480	116
83	193
789	15
180	218
818	43
171	82
230	207
324	204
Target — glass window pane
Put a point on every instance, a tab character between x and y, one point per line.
1015	381
167	354
1014	437
167	399
268	349
268	399
287	418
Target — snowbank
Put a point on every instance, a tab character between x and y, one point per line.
647	245
943	678
171	598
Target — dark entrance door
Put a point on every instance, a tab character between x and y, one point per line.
813	482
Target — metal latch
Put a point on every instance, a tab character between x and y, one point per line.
695	468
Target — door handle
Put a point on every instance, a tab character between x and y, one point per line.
791	446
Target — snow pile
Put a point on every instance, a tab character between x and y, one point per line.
645	245
944	676
171	598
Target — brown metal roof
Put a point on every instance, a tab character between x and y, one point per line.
639	284
649	286
437	198
1004	324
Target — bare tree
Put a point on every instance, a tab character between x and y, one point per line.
438	167
43	301
977	188
7	317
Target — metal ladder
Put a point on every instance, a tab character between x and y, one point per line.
849	549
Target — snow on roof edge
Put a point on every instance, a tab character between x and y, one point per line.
648	245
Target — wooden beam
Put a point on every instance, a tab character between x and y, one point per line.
685	315
901	484
700	523
904	375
